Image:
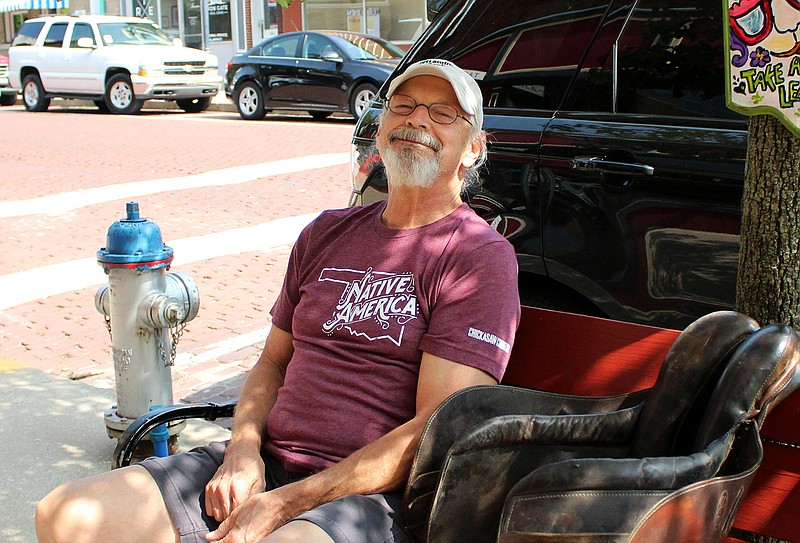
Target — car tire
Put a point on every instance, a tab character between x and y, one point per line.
194	105
320	115
8	99
361	99
101	105
250	101
119	96
33	94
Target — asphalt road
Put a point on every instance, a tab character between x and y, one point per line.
230	197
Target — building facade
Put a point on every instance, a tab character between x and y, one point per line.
399	21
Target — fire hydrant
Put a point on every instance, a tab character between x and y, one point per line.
145	310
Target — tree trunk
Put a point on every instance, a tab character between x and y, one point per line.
768	284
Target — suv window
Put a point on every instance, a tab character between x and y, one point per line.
526	53
668	63
81	30
55	36
28	33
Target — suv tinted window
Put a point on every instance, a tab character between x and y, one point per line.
80	30
55	36
28	33
668	62
523	53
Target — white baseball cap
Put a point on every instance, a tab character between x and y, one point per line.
466	89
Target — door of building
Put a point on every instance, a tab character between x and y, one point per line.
264	20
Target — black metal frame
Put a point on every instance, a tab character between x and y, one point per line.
141	427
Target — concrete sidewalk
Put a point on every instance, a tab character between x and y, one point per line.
53	431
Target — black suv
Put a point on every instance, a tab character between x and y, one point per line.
614	167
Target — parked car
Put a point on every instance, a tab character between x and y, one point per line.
615	168
318	72
118	62
8	95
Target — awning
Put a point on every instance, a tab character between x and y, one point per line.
25	5
14	5
48	4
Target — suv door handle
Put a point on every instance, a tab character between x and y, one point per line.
597	164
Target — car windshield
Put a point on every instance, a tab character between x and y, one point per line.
381	49
133	34
373	48
355	52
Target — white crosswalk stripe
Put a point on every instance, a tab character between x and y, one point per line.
68	201
26	286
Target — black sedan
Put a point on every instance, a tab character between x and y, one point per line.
318	72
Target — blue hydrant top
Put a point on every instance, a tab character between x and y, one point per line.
134	243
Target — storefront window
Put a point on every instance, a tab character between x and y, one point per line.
170	19
395	20
219	20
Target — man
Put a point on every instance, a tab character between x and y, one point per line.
385	311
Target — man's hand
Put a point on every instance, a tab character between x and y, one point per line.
255	519
240	476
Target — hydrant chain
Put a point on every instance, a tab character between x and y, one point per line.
175	333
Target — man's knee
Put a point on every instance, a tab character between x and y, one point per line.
60	514
105	507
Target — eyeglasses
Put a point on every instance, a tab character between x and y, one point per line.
403	105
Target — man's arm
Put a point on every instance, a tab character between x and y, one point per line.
381	466
242	473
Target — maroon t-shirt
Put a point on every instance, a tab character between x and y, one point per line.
363	302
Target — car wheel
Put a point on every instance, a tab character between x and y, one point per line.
320	115
194	105
33	94
361	99
250	101
101	105
8	99
119	96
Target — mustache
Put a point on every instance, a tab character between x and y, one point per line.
417	136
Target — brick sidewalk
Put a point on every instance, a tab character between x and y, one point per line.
64	334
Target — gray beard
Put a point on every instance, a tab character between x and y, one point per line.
406	167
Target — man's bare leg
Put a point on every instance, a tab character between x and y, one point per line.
122	506
298	531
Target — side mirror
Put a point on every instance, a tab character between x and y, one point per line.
178	42
331	56
86	43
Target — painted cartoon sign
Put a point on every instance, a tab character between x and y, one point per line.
764	59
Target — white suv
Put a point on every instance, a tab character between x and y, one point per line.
118	62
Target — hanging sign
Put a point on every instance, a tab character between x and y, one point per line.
763	61
144	9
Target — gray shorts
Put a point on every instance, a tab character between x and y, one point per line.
374	518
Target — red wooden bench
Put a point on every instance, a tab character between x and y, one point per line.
588	356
